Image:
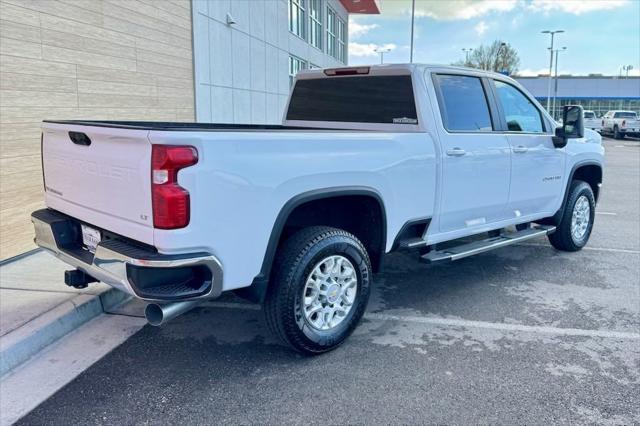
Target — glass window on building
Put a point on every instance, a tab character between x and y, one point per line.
342	41
315	23
297	17
295	65
331	32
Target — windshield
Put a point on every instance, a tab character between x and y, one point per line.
589	114
372	99
631	115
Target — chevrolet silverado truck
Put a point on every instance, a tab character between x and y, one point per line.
446	161
621	123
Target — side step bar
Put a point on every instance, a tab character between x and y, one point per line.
503	240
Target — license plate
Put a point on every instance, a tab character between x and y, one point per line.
90	237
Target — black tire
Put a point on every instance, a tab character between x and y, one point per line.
563	239
294	262
617	134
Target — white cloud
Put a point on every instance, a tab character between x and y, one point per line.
468	9
533	73
368	49
449	10
575	7
481	28
357	30
528	72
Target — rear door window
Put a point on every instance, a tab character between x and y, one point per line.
463	103
370	99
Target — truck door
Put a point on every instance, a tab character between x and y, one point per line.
476	163
536	165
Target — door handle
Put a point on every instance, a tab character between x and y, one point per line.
520	149
456	152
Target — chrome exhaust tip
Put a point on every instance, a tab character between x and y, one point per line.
158	315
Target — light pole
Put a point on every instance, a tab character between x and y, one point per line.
413	18
555	90
627	68
382	51
550	62
466	52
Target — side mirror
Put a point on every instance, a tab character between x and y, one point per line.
572	125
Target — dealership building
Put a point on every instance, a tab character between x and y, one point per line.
227	61
597	93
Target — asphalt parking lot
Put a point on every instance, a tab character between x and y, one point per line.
520	335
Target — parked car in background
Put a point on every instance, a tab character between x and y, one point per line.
620	124
299	216
591	121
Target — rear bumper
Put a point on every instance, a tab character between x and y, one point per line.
130	267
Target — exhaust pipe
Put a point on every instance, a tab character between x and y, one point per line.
161	314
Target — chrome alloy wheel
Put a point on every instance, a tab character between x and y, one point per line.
329	292
580	218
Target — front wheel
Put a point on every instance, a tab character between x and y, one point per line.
577	218
319	290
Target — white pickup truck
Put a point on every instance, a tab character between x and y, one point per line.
368	160
620	124
591	121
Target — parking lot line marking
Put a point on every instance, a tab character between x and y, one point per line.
451	322
506	327
607	213
605	249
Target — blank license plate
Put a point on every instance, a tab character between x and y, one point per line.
90	237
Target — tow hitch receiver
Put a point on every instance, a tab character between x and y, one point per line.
78	279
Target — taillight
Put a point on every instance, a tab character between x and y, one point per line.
170	200
346	71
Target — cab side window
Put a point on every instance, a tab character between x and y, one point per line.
520	113
463	104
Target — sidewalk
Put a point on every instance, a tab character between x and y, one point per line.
51	333
37	308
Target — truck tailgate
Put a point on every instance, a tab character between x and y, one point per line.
100	175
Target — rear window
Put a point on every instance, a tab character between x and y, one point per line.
589	114
373	99
631	115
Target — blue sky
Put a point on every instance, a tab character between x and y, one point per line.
601	35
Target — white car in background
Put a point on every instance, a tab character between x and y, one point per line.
591	121
621	123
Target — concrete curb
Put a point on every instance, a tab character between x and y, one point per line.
21	344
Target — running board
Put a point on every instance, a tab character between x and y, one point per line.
503	240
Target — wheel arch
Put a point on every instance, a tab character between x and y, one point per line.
589	171
294	206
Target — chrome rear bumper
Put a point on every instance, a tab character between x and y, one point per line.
129	268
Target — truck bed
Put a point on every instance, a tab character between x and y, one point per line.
188	126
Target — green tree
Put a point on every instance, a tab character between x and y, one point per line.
497	56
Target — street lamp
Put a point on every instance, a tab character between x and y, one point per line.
550	62
382	51
555	90
466	52
413	18
627	68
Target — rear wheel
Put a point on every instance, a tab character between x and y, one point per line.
617	134
576	223
320	289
